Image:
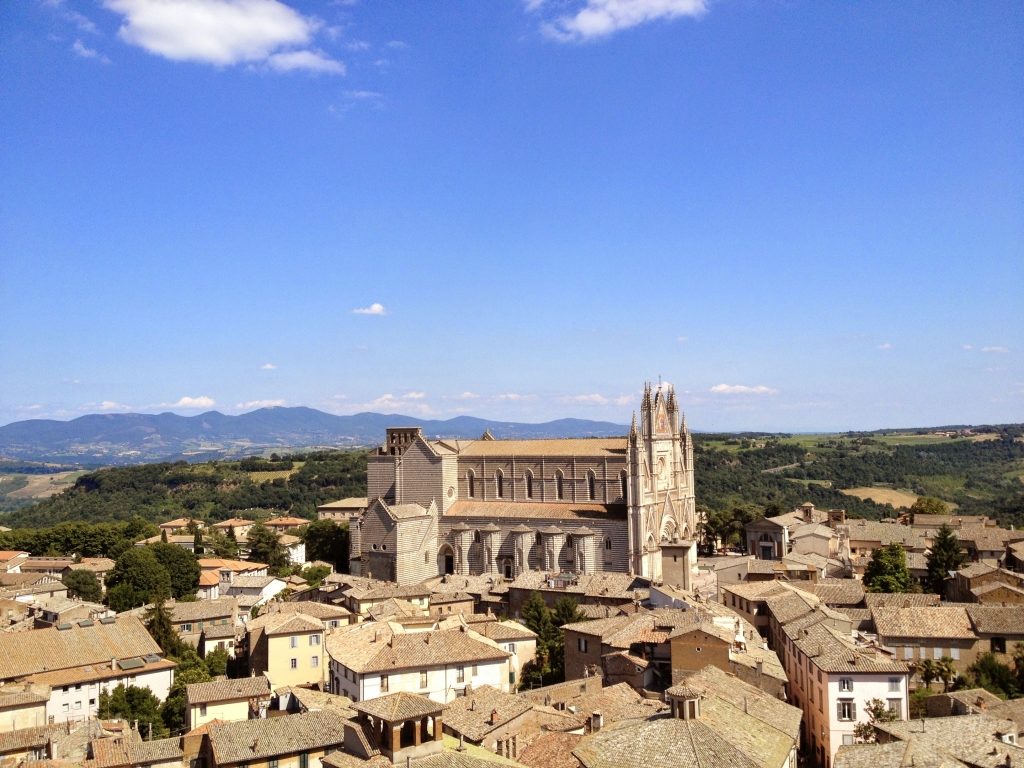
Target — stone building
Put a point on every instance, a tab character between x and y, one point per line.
505	507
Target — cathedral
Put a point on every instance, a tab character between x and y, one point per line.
503	507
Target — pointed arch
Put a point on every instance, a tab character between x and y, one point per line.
528	482
591	485
559	484
471	483
499	483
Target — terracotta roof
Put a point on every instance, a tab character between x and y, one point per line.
320	611
313	701
835	591
929	621
970	739
900	599
22	695
220	564
367	648
286	623
551	750
111	752
228	690
482	710
997	619
42	650
208	578
292	522
96	672
347	503
204	610
537	511
25	738
246	741
220	631
95	564
395	707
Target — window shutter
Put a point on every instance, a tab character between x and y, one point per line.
839	710
853	710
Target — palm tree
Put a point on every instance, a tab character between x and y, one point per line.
947	672
928	670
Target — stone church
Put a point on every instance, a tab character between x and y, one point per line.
503	507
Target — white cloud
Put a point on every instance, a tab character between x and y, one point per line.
467	396
600	18
223	32
311	61
742	389
268	367
254	404
996	350
363	95
682	339
81	21
397	45
81	49
410	401
533	5
357	45
885	346
110	405
968	347
374	309
186	402
513	397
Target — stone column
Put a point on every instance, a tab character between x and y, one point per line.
490	536
585	542
462	536
522	542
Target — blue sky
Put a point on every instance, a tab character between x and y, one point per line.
806	215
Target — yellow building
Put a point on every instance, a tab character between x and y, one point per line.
288	648
23	705
227	700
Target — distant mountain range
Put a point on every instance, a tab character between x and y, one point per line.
131	438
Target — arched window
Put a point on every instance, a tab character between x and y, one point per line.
499	484
624	482
607	542
591	485
476	536
528	478
559	484
470	483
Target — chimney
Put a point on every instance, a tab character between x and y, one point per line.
596	721
113	665
494	716
472	706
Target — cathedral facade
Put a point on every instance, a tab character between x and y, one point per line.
503	507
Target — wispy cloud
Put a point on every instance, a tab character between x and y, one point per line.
191	403
252	405
268	367
224	32
886	346
742	389
682	339
467	396
967	347
374	309
598	399
396	45
601	18
996	350
82	50
110	405
413	402
513	397
83	22
357	45
311	61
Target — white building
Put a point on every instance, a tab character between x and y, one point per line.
376	658
832	679
81	660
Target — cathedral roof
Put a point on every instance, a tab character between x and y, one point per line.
575	446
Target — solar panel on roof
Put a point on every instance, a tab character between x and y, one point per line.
131	663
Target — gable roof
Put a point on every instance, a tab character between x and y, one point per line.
251	740
43	650
228	690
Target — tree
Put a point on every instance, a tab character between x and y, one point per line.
181	566
887	571
928	505
216	662
994	676
944	556
946	672
265	547
133	703
327	541
929	671
191	669
197	540
217	544
137	578
83	585
878	712
161	629
315	574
